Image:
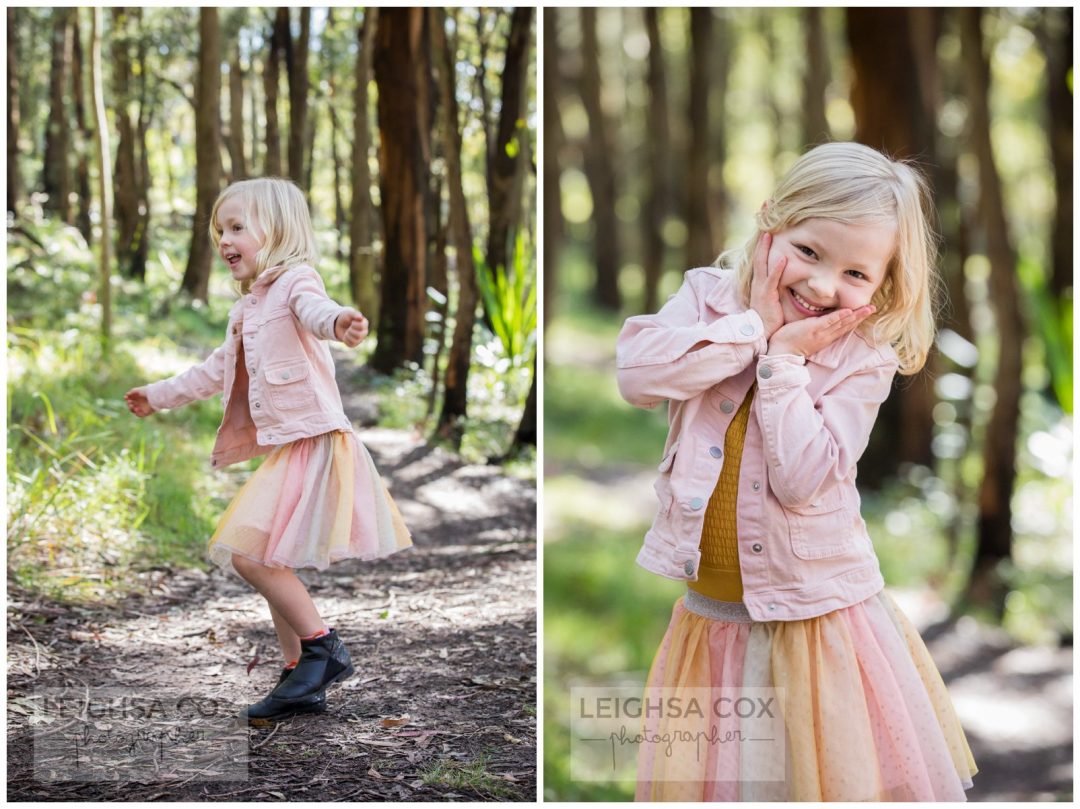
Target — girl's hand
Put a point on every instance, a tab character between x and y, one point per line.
351	328
765	286
811	334
138	403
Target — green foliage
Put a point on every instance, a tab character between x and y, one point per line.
1053	321
510	299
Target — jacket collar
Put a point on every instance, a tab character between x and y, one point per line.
724	299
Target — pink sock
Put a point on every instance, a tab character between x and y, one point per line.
314	635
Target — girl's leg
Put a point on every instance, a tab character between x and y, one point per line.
286	594
289	640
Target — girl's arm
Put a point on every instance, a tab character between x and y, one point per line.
812	447
313	307
672	355
199	382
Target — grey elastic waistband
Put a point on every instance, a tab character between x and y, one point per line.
707	607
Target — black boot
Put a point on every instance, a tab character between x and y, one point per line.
270	707
323	661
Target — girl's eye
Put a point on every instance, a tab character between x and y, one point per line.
857	274
806	251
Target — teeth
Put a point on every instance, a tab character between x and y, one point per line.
806	303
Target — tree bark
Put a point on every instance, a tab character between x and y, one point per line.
361	254
237	156
701	244
815	79
994	532
141	246
526	431
658	199
1056	35
553	144
84	139
126	207
599	171
505	160
455	399
56	175
280	42
298	101
102	140
207	154
14	174
400	59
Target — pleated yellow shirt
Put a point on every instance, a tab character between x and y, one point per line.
718	572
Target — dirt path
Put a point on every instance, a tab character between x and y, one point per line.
443	634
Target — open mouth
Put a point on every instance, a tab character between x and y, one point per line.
232	259
806	307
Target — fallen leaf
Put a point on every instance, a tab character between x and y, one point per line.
393	723
253	663
511	739
510	777
277	795
375	774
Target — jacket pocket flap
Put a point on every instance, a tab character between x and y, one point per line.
284	374
669	458
825	502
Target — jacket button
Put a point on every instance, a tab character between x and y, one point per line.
688	567
715	452
770	607
727	405
285	375
765	372
756	547
747	329
257	405
697	503
756	486
251	301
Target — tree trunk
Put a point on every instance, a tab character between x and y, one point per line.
505	160
207	154
298	101
400	59
141	246
361	253
815	125
237	157
599	171
14	175
701	244
126	207
280	41
56	175
994	532
455	399
658	199
893	114
84	140
329	69
526	431
102	140
553	144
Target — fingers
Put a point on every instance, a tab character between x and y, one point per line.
761	255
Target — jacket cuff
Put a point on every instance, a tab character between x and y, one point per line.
741	328
781	371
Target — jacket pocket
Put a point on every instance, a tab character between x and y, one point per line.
289	385
662	485
825	528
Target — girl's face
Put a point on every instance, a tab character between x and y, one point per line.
830	265
239	240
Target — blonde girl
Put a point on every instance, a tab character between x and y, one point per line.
317	497
774	365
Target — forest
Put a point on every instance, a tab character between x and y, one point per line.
664	130
412	133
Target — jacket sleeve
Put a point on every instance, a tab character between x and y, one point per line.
673	355
811	447
199	382
313	307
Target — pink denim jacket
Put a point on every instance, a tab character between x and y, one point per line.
281	386
803	547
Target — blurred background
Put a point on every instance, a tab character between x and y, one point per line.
664	130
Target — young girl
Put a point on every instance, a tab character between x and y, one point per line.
774	370
317	498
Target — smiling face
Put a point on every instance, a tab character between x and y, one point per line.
239	241
830	265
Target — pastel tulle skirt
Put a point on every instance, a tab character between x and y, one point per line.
864	714
311	503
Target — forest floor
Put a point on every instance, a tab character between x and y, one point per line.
443	635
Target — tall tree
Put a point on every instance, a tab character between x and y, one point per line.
401	62
280	43
84	139
455	400
56	173
506	163
553	143
298	100
125	189
234	140
196	279
361	253
893	114
994	531
104	172
14	175
658	140
141	246
815	126
599	170
701	242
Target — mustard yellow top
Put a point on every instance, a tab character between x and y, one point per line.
718	572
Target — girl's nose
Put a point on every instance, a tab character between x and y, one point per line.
823	287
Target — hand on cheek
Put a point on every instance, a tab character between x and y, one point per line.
810	335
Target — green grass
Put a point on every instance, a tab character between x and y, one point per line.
473	776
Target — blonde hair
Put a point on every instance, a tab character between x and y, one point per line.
854	184
278	214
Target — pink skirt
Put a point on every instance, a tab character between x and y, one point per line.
311	503
862	712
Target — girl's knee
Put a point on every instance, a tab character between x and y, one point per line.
246	567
